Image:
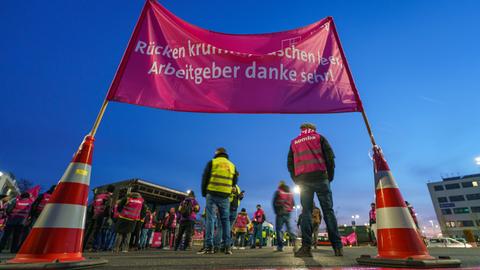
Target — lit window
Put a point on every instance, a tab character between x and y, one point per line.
461	210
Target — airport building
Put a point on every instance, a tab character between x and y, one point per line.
457	204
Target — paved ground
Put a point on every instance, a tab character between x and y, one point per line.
256	259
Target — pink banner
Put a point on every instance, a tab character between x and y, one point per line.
173	65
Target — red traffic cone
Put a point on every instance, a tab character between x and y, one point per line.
57	235
399	243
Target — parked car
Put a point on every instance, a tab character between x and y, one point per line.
447	242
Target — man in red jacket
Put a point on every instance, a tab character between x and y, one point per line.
311	165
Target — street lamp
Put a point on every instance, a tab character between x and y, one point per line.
296	207
477	160
354	224
296	189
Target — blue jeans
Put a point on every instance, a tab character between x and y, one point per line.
281	220
217	238
257	234
144	237
324	194
233	216
110	236
223	206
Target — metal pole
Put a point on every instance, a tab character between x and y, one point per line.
99	118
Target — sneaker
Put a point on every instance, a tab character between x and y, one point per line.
235	247
338	252
201	251
304	251
228	251
208	251
279	250
242	248
252	247
215	250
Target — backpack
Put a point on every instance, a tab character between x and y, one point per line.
316	216
187	208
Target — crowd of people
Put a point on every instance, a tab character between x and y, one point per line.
18	215
127	223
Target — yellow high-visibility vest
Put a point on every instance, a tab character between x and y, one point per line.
235	194
221	179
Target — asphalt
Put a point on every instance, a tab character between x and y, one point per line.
264	258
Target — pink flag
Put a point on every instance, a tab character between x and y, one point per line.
34	191
173	65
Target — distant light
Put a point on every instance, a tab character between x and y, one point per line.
344	225
1	174
188	191
475	183
357	216
296	189
353	217
366	224
298	206
477	160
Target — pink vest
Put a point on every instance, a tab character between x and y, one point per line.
22	208
285	199
45	198
241	221
258	216
99	204
308	153
132	209
173	218
3	216
149	223
115	211
372	215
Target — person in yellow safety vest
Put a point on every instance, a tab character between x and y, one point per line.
235	198
219	178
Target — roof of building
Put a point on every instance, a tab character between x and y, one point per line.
460	177
150	191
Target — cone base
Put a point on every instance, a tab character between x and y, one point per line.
85	263
47	258
441	262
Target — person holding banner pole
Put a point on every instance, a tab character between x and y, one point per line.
311	165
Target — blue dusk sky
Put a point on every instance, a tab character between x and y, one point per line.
416	65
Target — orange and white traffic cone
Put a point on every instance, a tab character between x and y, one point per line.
399	243
56	237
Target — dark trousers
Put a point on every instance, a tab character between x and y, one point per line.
257	234
186	227
324	194
135	238
93	227
17	232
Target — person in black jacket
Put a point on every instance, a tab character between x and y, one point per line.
311	163
219	178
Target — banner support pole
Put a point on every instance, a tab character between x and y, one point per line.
369	128
99	118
